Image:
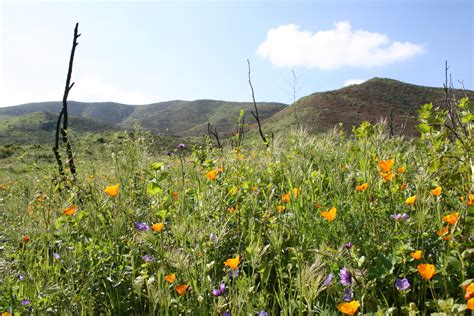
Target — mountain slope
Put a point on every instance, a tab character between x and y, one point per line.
370	101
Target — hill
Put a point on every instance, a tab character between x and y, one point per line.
370	101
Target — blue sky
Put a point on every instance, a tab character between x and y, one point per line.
156	51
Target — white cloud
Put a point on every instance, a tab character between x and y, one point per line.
349	82
93	89
287	45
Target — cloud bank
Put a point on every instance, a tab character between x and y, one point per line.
287	45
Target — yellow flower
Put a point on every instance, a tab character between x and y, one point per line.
182	288
285	198
437	191
416	255
348	308
362	187
401	169
470	200
70	210
386	165
231	210
426	270
330	215
451	218
170	277
470	304
387	176
233	263
212	175
5	314
280	208
112	190
411	200
158	227
220	170
296	192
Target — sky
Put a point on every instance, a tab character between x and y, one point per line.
153	51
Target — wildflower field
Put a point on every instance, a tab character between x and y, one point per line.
310	225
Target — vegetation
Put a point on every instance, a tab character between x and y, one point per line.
359	223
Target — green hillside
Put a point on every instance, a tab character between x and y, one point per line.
370	101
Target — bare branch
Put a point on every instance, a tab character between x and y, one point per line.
257	118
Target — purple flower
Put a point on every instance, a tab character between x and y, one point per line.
21	277
169	153
348	295
56	255
346	277
400	217
25	302
402	284
219	291
148	258
328	280
262	313
181	146
234	273
141	226
227	313
348	245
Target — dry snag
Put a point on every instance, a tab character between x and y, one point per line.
63	114
255	114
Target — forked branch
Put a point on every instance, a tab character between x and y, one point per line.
255	114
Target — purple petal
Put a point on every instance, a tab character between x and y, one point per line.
348	295
346	277
328	280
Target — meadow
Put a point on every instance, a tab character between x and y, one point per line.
359	223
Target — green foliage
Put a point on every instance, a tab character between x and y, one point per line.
264	204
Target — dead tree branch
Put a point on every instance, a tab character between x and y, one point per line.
64	115
213	133
255	114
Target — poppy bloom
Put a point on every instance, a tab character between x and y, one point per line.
220	170
469	289
451	218
346	277
403	186
387	176
158	227
233	263
112	190
349	308
386	165
417	255
212	175
401	169
443	232
402	284
170	277
182	288
411	200
175	195
437	191
5	314
280	208
231	210
470	304
25	239
70	210
362	187
470	200
296	192
426	270
285	198
330	215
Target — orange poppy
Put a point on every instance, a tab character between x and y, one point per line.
401	170
470	304
387	176
437	191
70	210
296	192
285	198
417	254
158	227
231	210
182	288
411	200
469	289
330	215
170	277
25	239
470	200
212	175
175	195
403	186
426	270
362	187
386	165
233	263
451	218
112	190
280	208
444	232
349	308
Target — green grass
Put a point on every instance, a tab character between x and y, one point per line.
93	262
